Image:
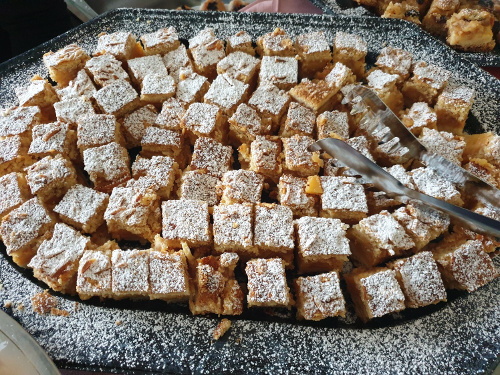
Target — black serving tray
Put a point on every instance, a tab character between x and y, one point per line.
351	8
137	337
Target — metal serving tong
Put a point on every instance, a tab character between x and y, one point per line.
379	118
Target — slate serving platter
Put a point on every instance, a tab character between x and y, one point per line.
456	337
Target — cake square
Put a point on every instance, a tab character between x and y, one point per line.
385	86
51	177
240	186
275	43
200	186
379	201
281	71
265	157
299	120
162	170
362	145
452	108
471	30
317	95
13	154
56	261
23	230
426	84
395	61
438	14
217	291
156	88
375	292
298	159
38	93
168	276
163	142
267	286
54	138
484	170
319	297
135	123
117	98
98	130
340	76
14	191
246	124
171	114
83	208
191	87
446	144
186	221
322	245
350	50
240	66
333	124
233	229
211	156
177	60
160	42
227	93
141	66
64	64
292	193
378	238
108	166
270	102
94	274
19	121
204	120
240	42
120	44
427	181
418	117
206	51
70	110
419	279
314	52
105	69
129	273
485	146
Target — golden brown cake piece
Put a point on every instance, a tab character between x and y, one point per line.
38	93
379	201
446	144
270	102
319	297
423	224
314	52
14	191
267	286
375	292
378	238
177	60
427	82
64	64
161	142
13	154
299	120
265	157
105	69
51	177
54	138
343	199
160	42
211	156
241	41
298	160
227	93
156	88
429	182
108	166
70	110
200	186
246	124
332	124
19	121
133	214
350	50
484	145
292	193
452	108
241	66
206	50
121	45
471	30
317	95
171	114
56	261
83	208
129	274
240	186
280	71
215	288
385	86
186	221
418	117
117	98
191	87
98	130
484	170
159	174
134	124
322	245
406	10
419	279
339	76
464	264
395	61
168	276
139	67
23	230
94	273
204	120
435	21
275	43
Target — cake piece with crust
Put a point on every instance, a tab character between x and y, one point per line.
418	117
426	83
64	64
395	61
240	186
19	121
240	42
204	120
98	130
117	98
471	30
81	85
70	110
385	86
299	120
191	87
38	93
206	50
446	144
314	52
427	181
14	191
452	108
161	41
162	142
211	156
14	155
334	124
156	88
120	44
292	193
281	71
339	76
200	186
139	67
270	102
171	114
275	43
246	124
134	124
241	66
435	20
317	95
227	93
161	171
350	50
54	138
168	276
129	273
105	69
298	160
177	60
264	157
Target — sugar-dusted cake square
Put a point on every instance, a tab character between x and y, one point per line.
265	157
81	85
426	83
227	93
452	108
108	166
333	124
240	186
270	102
350	50
233	229
317	95
82	208
280	71
161	41
471	30
38	93
292	193
319	297
120	44
117	98
206	50
129	273
418	117
171	114
298	160
378	238
139	67
211	156
216	289
273	232
385	86
161	169
240	42
64	64
314	52
446	144
56	261
267	285
246	124
204	120
241	66
339	76
275	43
70	110
135	123
419	279
156	88
94	274
191	87
13	154
484	146
375	292
186	221
176	60
105	69
19	121
163	142
427	181
14	191
98	130
299	120
395	61
168	276
199	185
24	228
54	138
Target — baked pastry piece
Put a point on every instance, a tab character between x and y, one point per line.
275	43
157	87
406	10
395	61
418	117
385	85
14	191
429	182
316	95
56	261
314	53
204	120
292	193
129	273
299	120
157	174
198	185
322	245
64	64
98	130
177	60
471	30
206	50
438	14
19	121
54	138
14	154
379	201
139	67
83	208
270	102
117	98
263	157
337	75
377	239
419	279
162	142
227	93
105	69
334	124
485	146
134	124
160	42
171	114
319	297
267	286
121	45
446	144
216	290
38	93
484	170
375	292
452	108
350	50
241	186
298	160
281	71
211	156
24	229
241	66
246	124
427	82
70	110
241	41
186	221
81	85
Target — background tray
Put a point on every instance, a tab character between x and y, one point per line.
460	336
351	8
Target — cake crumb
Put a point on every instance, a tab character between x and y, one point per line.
7	304
20	307
119	322
58	312
221	328
43	302
77	306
